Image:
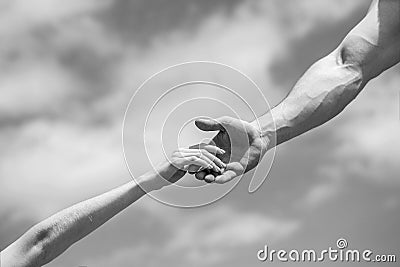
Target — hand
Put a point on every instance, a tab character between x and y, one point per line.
242	142
202	156
170	171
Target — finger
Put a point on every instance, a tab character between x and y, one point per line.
210	147
214	172
200	175
211	163
213	158
209	178
194	169
209	125
205	152
208	158
225	177
195	160
214	149
183	163
198	146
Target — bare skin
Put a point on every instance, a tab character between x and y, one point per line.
372	47
326	88
48	239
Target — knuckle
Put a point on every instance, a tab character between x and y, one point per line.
225	119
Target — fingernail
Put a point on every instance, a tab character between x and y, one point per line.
222	151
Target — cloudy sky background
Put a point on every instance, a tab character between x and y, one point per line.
69	68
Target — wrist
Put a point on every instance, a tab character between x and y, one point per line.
147	182
265	127
152	180
158	177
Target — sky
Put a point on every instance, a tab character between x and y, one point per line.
69	69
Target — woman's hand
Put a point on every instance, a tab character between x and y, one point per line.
201	156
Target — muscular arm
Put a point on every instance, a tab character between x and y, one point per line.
335	80
322	93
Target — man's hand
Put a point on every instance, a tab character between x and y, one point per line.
242	142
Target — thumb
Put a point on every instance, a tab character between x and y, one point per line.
210	124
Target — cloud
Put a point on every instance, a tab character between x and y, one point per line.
57	161
67	81
70	51
363	145
318	194
33	90
306	42
23	16
368	143
53	59
208	236
142	21
125	256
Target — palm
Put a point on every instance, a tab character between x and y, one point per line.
242	142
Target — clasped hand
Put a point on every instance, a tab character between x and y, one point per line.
235	149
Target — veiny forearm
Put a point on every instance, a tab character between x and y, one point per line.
322	93
333	82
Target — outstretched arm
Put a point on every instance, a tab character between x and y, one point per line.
334	81
51	237
323	92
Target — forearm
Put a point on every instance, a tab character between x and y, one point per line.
332	83
51	237
322	93
63	229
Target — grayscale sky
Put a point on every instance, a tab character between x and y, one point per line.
68	70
